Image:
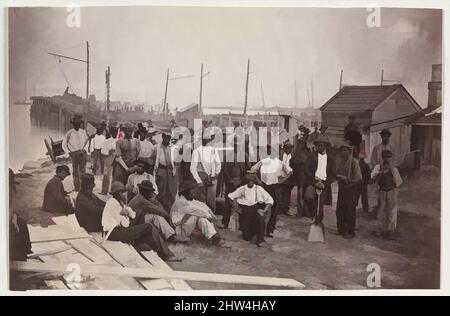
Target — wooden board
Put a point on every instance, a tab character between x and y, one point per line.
157	274
55	232
128	257
158	263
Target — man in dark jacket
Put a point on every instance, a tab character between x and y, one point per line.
56	200
88	207
300	155
320	172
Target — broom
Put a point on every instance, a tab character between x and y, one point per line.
317	229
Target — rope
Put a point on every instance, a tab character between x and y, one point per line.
64	74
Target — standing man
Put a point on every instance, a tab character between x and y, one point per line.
300	155
96	150
233	174
56	199
74	144
320	172
127	151
363	186
253	203
148	148
388	179
205	168
108	151
271	169
286	178
165	171
376	157
349	177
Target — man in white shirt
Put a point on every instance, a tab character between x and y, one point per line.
271	169
148	148
376	157
188	214
108	150
253	203
74	144
117	223
97	143
205	168
138	177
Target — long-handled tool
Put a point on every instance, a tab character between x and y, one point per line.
317	229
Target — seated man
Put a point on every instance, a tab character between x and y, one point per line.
188	214
56	200
149	210
118	227
137	177
253	203
88	207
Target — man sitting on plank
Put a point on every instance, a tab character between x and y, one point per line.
56	200
88	207
137	177
188	214
118	224
149	210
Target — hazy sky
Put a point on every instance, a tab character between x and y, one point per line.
139	43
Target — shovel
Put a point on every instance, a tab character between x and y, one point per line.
316	231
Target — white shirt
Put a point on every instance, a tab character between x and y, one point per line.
147	149
251	196
205	158
286	161
321	171
111	217
97	142
110	143
182	207
74	140
270	168
135	179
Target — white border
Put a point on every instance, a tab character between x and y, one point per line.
445	231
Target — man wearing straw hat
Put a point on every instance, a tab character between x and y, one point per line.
349	177
74	144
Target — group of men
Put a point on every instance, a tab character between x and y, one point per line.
158	198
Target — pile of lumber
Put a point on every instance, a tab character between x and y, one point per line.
66	257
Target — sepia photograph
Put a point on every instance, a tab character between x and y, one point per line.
186	148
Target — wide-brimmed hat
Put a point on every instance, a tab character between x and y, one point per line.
287	144
117	187
141	161
146	185
166	132
385	131
63	168
77	118
322	139
386	153
187	185
128	126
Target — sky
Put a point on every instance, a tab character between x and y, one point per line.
285	45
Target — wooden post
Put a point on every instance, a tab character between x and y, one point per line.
246	87
201	84
340	80
108	75
382	73
165	107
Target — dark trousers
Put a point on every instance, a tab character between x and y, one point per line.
311	199
252	223
300	203
229	187
275	192
362	192
285	201
146	234
167	186
78	166
346	209
96	156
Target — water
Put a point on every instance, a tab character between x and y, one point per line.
26	142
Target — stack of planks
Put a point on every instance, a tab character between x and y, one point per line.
66	257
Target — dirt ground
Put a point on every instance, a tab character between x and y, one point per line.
410	261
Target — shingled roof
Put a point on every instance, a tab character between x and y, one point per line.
360	98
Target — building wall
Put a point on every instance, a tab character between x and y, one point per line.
398	105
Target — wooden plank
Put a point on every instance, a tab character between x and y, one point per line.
128	257
55	232
153	273
56	285
158	263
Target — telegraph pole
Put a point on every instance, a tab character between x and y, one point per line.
340	80
87	70
246	87
166	110
201	87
